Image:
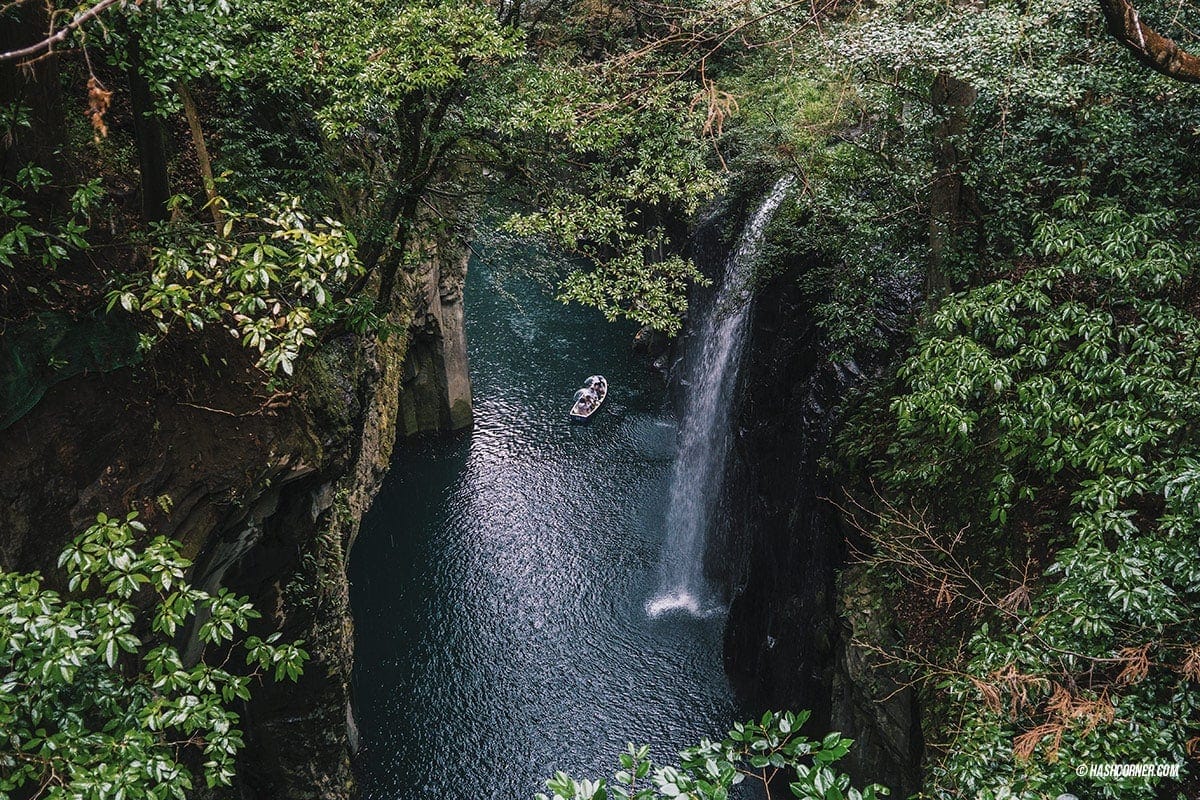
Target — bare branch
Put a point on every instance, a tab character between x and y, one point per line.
47	44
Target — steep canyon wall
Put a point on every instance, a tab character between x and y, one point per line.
265	490
801	624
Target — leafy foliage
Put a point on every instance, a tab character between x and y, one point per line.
94	704
370	61
269	285
767	751
603	156
1055	102
369	109
24	237
1039	436
178	44
48	241
1055	408
618	177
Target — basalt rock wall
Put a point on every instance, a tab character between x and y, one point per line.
436	387
801	624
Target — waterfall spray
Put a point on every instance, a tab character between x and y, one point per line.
704	429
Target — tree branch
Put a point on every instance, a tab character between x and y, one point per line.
46	44
1156	51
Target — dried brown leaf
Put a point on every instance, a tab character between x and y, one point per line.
1136	661
99	100
1026	743
1191	663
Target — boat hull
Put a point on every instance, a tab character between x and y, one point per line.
582	417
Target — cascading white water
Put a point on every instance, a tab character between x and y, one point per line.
704	429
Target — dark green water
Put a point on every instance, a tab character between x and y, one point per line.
501	578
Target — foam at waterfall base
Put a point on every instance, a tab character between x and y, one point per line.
697	478
681	601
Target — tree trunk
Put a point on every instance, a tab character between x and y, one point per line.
391	256
949	198
206	173
1160	53
151	140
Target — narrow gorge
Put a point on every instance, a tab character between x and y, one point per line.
543	579
890	485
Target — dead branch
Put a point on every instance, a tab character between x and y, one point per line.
907	541
275	401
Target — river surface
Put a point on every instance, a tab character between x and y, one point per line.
501	578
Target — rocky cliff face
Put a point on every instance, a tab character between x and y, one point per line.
792	637
265	490
436	388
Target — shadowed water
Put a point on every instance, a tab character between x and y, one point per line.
500	580
704	433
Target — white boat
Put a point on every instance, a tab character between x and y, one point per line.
589	399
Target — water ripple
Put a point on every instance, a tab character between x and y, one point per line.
500	581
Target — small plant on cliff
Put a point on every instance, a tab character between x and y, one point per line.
770	752
97	700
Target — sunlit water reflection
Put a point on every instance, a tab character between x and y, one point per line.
500	582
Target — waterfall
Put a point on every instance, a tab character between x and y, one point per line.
704	429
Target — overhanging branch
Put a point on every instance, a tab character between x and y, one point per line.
47	44
1156	51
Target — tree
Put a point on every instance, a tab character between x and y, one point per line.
124	686
601	149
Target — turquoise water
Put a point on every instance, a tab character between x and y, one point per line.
501	578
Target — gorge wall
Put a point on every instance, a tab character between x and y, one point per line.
435	391
265	490
796	621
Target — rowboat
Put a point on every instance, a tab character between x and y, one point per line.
589	399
